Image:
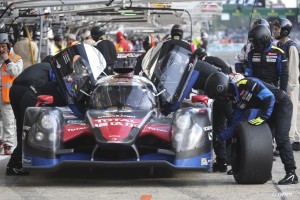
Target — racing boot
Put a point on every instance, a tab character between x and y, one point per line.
290	178
16	170
220	165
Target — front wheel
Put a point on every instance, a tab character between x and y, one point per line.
252	153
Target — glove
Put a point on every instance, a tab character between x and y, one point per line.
257	121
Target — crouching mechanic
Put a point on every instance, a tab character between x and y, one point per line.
34	80
275	108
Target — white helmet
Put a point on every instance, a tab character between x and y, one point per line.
4	38
235	77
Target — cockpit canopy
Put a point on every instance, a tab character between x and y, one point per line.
124	93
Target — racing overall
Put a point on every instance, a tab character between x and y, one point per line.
269	66
275	107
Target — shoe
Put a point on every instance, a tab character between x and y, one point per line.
219	167
290	178
230	172
296	146
7	149
16	171
276	153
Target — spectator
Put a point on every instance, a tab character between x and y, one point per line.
106	47
11	67
122	44
281	30
27	48
87	37
58	45
150	41
71	40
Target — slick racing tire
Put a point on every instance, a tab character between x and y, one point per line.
252	153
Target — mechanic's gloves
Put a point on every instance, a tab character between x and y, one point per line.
257	121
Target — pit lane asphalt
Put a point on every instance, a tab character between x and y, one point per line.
132	184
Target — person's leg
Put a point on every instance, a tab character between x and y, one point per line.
283	115
220	109
8	124
294	134
14	166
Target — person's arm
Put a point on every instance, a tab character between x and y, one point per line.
236	117
283	73
14	69
293	69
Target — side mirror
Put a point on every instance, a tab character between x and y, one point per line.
44	100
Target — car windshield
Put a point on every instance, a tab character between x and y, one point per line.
123	94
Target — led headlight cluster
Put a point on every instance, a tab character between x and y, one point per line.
46	132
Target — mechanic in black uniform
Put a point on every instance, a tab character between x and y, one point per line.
176	38
33	81
106	47
275	107
221	111
150	41
265	61
213	60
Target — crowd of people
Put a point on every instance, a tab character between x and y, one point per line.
271	85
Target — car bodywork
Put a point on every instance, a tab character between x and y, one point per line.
121	123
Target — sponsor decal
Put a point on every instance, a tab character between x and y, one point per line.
204	161
271	60
120	116
207	128
220	88
256	59
158	129
115	124
78	129
272	54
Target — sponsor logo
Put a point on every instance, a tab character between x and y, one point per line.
272	54
204	161
220	88
77	129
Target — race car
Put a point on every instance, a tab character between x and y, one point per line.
117	120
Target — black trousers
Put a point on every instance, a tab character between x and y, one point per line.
21	97
221	113
280	121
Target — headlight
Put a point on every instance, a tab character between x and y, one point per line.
48	121
183	121
39	136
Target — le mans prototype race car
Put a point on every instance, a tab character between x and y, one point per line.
117	120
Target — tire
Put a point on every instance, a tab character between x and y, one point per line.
252	153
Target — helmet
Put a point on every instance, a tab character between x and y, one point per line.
97	32
150	41
216	86
4	39
285	27
177	31
261	21
260	37
200	53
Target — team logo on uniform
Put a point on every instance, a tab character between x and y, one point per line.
220	88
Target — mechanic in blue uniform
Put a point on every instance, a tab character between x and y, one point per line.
106	47
265	61
275	107
34	80
221	111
